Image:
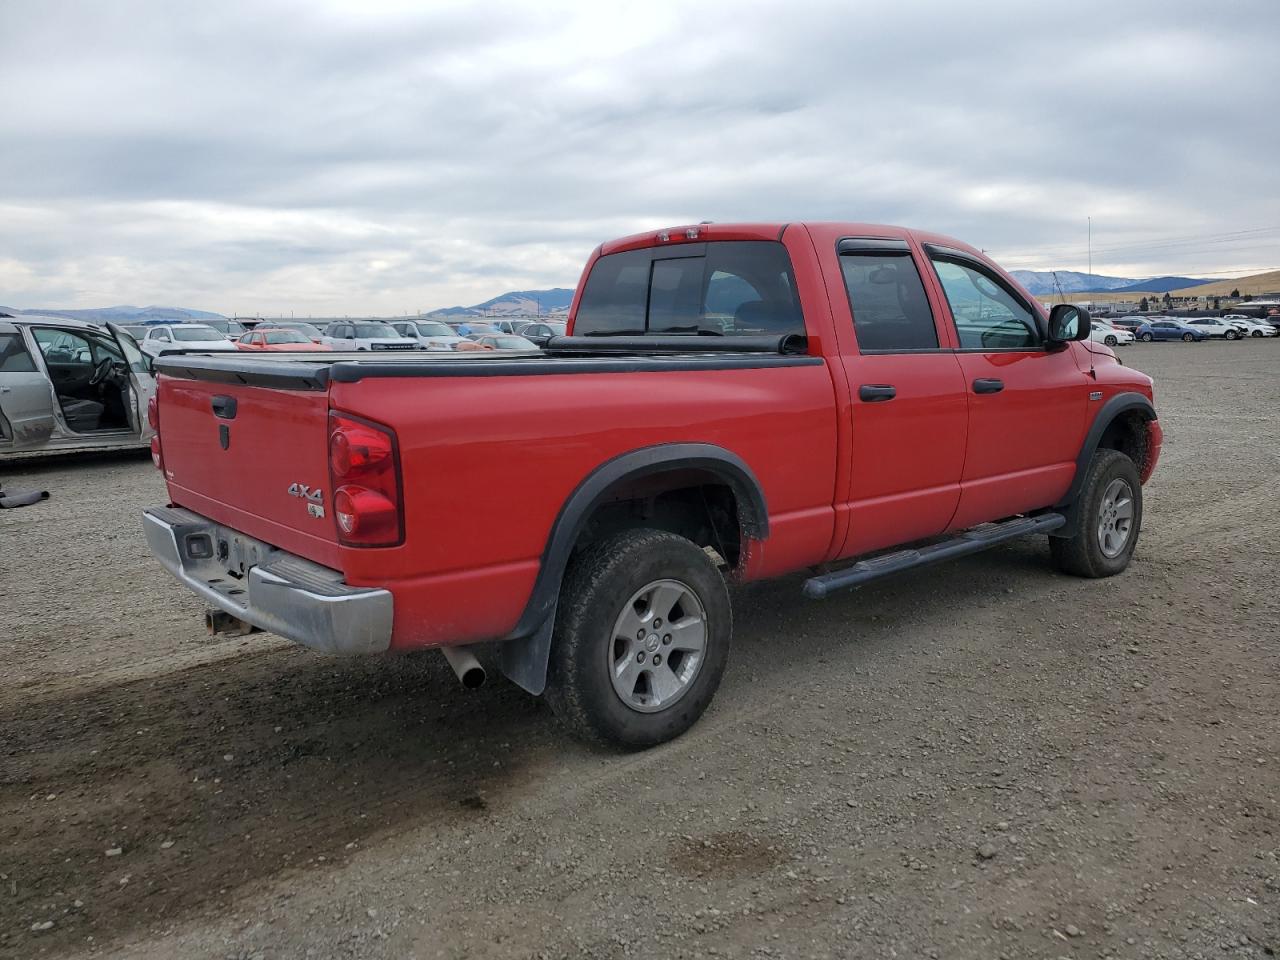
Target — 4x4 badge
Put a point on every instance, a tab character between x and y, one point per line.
314	494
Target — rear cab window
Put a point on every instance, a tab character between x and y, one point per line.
719	288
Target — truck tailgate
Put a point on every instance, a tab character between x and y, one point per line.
253	458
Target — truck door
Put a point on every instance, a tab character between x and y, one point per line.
26	399
908	399
1027	402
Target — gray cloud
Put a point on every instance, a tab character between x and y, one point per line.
372	158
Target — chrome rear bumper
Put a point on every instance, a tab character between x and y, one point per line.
267	587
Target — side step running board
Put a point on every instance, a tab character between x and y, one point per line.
971	541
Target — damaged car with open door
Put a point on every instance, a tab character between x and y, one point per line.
67	385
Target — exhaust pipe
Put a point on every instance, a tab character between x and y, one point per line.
219	621
470	674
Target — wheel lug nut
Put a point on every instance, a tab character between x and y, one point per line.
656	659
640	634
666	638
657	622
639	658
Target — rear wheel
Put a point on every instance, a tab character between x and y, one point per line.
641	639
1231	334
1147	337
1187	338
1107	519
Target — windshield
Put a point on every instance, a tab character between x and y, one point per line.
435	330
230	328
375	331
285	336
193	334
135	330
513	343
306	329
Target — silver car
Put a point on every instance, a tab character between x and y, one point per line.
69	385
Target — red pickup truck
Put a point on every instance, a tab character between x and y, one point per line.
731	402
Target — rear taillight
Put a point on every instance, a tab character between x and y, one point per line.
153	418
364	468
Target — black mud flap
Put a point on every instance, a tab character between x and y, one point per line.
524	661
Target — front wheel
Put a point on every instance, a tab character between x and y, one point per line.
1231	334
1107	519
641	639
1109	340
1256	333
1187	338
1147	338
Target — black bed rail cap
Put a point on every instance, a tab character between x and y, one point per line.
791	344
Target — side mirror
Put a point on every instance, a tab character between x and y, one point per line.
1068	322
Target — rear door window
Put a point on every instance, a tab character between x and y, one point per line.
891	311
721	288
14	356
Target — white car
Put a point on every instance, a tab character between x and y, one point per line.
1216	327
366	335
1103	332
1253	326
172	337
430	334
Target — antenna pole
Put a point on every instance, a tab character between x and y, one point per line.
1090	245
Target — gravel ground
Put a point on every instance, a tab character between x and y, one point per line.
982	759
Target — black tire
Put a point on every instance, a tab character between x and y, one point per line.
1255	333
1109	340
1146	338
597	587
1187	338
1081	552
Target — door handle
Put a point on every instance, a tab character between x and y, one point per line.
877	392
987	385
224	407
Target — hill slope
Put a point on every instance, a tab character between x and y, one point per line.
1254	284
554	300
1041	282
122	314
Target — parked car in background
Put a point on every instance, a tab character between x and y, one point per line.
309	330
1216	327
1254	327
430	334
1103	332
504	341
366	335
135	330
68	385
280	341
541	331
171	338
467	327
1128	323
507	326
231	329
1163	328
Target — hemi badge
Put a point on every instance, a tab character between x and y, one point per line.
1095	395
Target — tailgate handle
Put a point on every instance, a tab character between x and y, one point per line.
224	407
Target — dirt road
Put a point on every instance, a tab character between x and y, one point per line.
977	760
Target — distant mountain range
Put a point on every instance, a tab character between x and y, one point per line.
1041	282
122	314
555	300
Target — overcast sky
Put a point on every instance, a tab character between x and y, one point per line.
371	157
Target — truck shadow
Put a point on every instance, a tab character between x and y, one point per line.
147	800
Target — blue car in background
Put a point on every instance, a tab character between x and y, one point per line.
1163	328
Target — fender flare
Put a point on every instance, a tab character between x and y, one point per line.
1121	403
525	651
